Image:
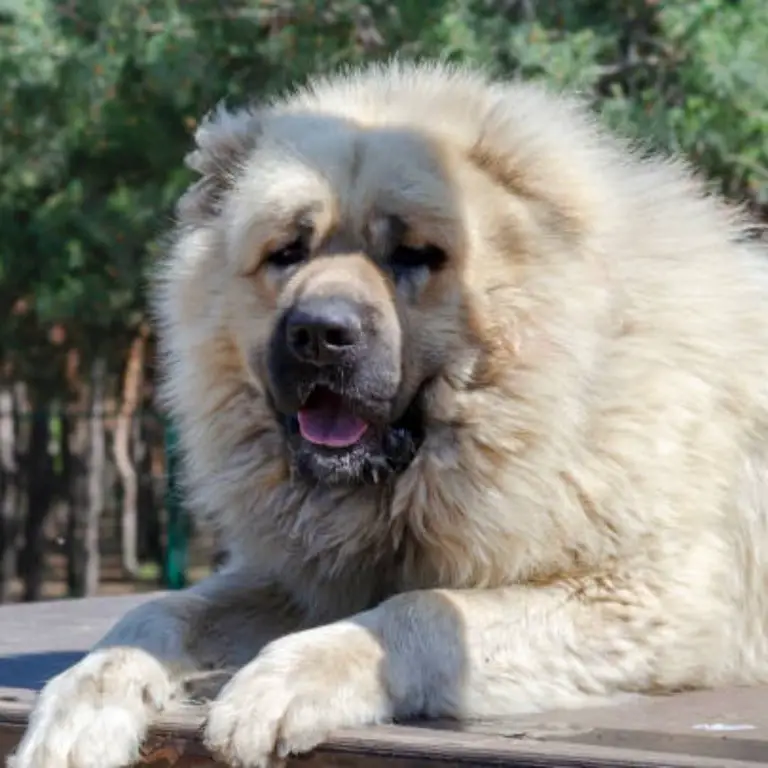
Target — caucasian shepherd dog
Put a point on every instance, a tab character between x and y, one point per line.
477	397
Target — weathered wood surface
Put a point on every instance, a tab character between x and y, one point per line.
719	729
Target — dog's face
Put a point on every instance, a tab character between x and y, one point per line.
362	273
345	298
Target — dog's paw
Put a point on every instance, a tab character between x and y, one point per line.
96	714
298	690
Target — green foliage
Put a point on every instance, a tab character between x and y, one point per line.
99	98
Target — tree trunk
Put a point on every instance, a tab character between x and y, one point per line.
132	389
10	493
150	496
40	482
77	474
96	465
23	455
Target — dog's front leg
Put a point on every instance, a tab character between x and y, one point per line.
96	714
439	653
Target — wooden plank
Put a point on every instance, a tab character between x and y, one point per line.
685	731
174	742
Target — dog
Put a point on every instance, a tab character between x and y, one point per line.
475	393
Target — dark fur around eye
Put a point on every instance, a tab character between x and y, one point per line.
430	256
289	255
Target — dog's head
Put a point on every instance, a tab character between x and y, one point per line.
343	251
336	275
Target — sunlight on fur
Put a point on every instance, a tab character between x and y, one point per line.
476	396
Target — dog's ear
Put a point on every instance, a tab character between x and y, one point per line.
223	140
546	147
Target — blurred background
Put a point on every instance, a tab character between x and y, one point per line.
98	100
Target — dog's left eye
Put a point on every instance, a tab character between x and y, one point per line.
288	255
430	256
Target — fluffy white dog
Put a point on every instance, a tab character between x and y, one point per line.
478	399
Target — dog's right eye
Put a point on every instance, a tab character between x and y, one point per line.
429	256
289	255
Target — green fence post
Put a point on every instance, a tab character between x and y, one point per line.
177	545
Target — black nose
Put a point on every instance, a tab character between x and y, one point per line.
324	330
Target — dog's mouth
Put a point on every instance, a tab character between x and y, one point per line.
328	419
336	439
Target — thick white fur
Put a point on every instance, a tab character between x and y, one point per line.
589	512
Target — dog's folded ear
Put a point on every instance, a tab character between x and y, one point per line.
222	142
562	175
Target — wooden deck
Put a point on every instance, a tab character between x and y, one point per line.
722	729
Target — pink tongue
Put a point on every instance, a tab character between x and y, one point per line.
325	421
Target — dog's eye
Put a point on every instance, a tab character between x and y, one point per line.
430	256
288	255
